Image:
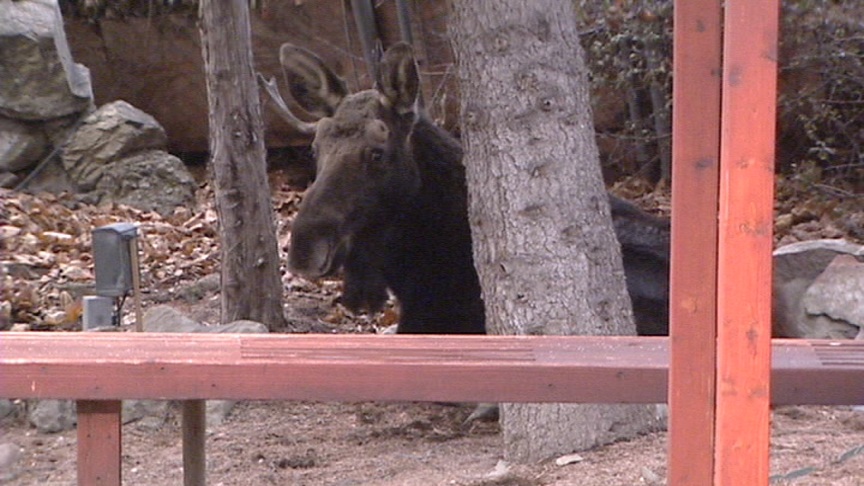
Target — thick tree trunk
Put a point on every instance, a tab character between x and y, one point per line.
543	240
251	282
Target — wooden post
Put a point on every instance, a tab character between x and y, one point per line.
136	284
99	444
695	182
194	429
744	248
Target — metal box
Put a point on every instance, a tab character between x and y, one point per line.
98	312
112	258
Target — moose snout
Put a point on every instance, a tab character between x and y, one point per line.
316	250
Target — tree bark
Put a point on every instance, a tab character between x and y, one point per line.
251	281
544	245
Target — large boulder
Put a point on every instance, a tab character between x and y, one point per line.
21	144
107	135
808	299
50	416
39	80
153	181
836	298
117	155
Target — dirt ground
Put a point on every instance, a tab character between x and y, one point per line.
390	444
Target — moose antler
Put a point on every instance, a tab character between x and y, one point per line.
305	128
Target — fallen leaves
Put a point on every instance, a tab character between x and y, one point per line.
47	266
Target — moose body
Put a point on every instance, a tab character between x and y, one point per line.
389	205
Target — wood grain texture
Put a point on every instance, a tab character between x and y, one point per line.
745	242
693	278
251	282
584	369
99	442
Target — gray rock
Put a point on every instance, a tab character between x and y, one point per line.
109	134
155	412
807	259
10	457
22	145
52	177
7	407
218	411
796	268
198	289
50	416
40	81
836	298
8	180
163	318
152	181
241	326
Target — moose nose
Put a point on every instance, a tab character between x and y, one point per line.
314	249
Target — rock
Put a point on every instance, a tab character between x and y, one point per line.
7	407
500	472
22	145
568	459
50	416
152	181
109	134
218	411
484	412
8	180
52	177
650	477
163	318
836	298
40	81
201	287
808	259
242	326
10	456
796	267
153	412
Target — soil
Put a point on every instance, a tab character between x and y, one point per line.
301	443
404	444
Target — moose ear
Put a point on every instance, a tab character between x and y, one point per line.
399	83
312	84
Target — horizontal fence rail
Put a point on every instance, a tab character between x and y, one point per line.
587	369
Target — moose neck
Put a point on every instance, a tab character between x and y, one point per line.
432	267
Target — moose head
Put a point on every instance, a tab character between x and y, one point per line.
388	204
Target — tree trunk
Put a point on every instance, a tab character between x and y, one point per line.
543	240
251	282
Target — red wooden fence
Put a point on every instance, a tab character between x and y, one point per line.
99	368
722	375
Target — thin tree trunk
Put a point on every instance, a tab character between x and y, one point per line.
544	244
251	282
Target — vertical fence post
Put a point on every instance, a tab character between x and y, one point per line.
99	462
745	242
695	181
194	439
720	363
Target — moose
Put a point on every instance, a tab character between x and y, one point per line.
389	204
